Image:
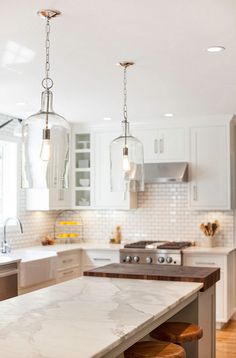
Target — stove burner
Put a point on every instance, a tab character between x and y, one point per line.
140	244
174	245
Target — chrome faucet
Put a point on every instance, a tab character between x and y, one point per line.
6	248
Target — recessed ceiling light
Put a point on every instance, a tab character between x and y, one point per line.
168	114
107	118
216	49
20	103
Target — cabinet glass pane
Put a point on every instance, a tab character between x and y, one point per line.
82	141
82	160
82	198
82	179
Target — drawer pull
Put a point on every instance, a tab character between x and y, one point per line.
205	263
101	259
66	261
7	273
68	272
155	146
161	145
195	192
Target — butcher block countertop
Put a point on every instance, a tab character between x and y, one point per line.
206	275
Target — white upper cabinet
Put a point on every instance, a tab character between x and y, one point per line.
162	145
209	168
48	199
104	198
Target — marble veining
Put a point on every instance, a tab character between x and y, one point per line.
85	317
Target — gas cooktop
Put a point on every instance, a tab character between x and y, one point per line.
175	245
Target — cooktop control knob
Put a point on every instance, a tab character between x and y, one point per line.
128	259
169	260
148	260
136	259
161	259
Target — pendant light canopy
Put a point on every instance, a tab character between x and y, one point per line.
46	135
126	153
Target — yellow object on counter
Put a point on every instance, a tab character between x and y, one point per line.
66	235
70	223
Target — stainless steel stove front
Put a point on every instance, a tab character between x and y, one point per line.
146	256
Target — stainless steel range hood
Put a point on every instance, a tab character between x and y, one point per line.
165	172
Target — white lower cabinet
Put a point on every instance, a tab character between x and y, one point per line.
96	258
69	265
225	288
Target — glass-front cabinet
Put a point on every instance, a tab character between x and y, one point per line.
82	163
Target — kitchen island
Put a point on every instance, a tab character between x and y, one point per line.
91	317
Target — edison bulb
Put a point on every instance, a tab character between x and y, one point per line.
126	163
45	150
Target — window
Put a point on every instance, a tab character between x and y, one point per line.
8	179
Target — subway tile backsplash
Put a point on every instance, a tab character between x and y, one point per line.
163	214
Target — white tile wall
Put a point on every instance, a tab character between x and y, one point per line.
35	224
162	214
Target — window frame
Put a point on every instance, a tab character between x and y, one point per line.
17	141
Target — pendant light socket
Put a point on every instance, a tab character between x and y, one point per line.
46	133
126	64
125	151
48	13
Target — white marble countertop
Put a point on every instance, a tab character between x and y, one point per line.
86	317
36	252
208	250
41	252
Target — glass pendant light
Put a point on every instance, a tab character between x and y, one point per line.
126	154
46	135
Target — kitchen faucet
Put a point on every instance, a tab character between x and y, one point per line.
6	248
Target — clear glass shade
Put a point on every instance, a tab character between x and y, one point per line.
126	163
45	149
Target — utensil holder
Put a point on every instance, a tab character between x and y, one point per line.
208	241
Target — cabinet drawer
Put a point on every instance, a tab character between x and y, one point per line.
68	274
209	261
100	258
66	260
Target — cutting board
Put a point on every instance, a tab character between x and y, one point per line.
206	275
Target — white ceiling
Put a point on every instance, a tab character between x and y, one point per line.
167	39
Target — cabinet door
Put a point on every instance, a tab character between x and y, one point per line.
104	198
162	145
171	144
149	140
98	258
221	286
47	199
59	199
209	169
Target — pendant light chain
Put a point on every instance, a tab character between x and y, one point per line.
125	112
125	95
47	46
47	81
